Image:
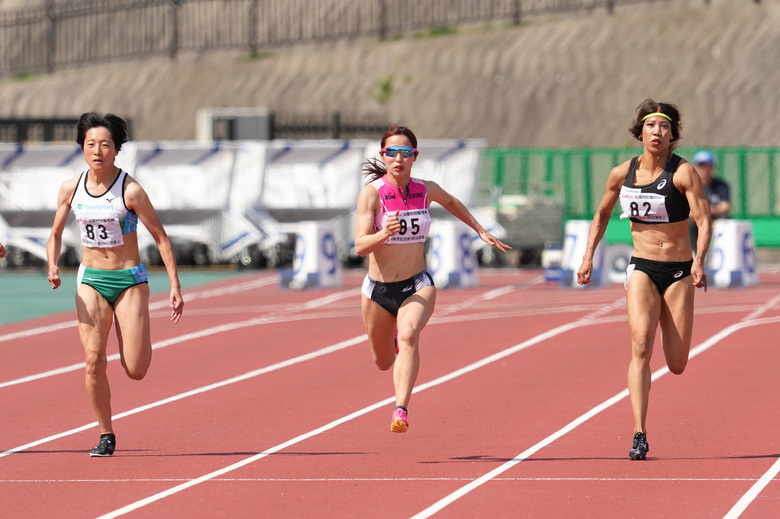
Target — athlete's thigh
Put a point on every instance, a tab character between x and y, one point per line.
380	328
677	317
417	309
378	321
131	311
643	303
95	316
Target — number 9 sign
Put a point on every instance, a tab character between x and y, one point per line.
330	253
317	260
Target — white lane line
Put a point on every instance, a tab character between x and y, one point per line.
769	475
311	304
751	494
588	320
39	330
188	296
358	480
446	317
203	389
451	498
271	319
229	327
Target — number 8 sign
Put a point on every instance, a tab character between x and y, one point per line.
450	259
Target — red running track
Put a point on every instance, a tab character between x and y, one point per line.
264	402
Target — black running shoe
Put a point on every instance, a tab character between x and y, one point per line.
105	447
640	447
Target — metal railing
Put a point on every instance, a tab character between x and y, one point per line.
75	33
334	125
37	129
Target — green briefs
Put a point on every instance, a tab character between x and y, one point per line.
111	283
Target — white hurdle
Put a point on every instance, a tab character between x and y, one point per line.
316	263
451	260
732	259
575	243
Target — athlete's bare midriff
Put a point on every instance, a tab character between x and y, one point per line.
661	242
114	258
398	262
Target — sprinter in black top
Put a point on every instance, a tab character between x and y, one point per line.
658	191
657	202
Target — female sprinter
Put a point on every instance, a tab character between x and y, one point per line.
658	191
398	293
112	281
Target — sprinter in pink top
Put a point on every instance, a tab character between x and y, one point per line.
391	227
411	204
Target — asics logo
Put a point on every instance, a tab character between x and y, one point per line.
678	274
661	185
406	289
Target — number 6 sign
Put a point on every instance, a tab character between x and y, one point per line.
732	260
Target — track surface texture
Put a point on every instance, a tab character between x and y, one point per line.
264	402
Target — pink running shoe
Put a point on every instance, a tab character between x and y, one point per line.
400	422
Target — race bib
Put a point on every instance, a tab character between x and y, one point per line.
101	232
647	207
415	226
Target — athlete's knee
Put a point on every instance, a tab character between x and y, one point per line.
137	372
136	375
137	369
384	364
677	366
642	346
408	337
96	363
383	354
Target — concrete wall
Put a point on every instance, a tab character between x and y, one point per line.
564	80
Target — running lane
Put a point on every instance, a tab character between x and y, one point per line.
504	367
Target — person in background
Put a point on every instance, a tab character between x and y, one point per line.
2	251
112	285
658	191
715	189
391	227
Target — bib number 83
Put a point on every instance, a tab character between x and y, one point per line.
101	233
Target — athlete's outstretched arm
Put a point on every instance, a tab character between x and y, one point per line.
600	221
137	200
461	212
54	245
689	183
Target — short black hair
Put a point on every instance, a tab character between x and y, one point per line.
113	123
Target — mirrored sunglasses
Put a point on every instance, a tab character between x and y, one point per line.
405	152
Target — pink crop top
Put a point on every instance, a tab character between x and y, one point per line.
413	213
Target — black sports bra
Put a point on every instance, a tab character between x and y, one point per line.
658	202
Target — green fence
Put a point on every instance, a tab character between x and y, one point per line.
577	178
